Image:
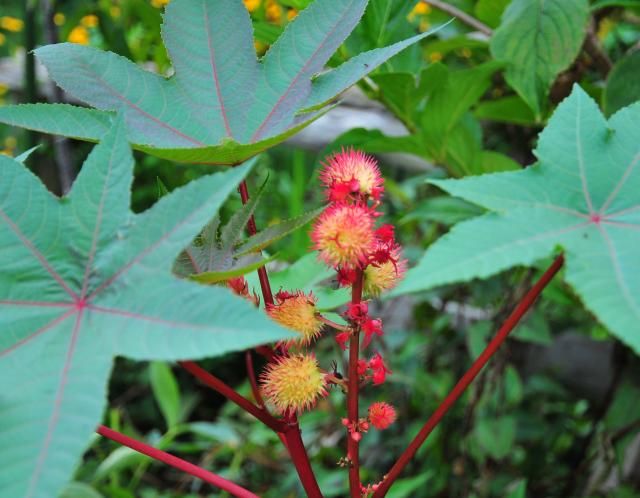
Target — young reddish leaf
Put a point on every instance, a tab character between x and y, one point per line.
84	279
583	195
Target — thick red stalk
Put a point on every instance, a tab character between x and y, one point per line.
291	436
353	446
213	382
177	463
509	324
295	446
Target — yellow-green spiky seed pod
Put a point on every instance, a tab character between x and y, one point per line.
293	383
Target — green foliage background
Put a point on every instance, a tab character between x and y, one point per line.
471	105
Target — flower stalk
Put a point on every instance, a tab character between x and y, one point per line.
177	463
510	323
290	437
353	444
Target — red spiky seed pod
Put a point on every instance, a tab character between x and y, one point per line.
293	384
351	172
343	235
381	415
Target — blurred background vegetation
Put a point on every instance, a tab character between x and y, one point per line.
557	411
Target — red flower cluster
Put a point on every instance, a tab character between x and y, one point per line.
378	369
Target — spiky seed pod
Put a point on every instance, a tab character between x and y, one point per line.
293	383
343	235
381	415
351	172
381	277
297	311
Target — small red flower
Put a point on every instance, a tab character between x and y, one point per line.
379	369
381	415
386	233
342	338
362	367
357	312
346	276
240	287
371	327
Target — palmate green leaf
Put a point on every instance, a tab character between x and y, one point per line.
539	39
217	257
582	196
84	279
222	106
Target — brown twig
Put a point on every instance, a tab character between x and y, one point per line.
592	47
461	16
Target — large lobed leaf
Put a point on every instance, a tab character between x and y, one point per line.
84	279
222	105
583	195
539	39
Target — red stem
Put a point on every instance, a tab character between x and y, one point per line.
353	446
248	359
265	286
509	324
214	383
291	436
176	462
300	458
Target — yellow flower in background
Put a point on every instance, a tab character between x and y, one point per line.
252	5
79	35
89	21
59	18
605	27
11	24
291	14
424	25
3	89
10	142
158	4
273	12
115	11
421	9
435	56
261	48
2	39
